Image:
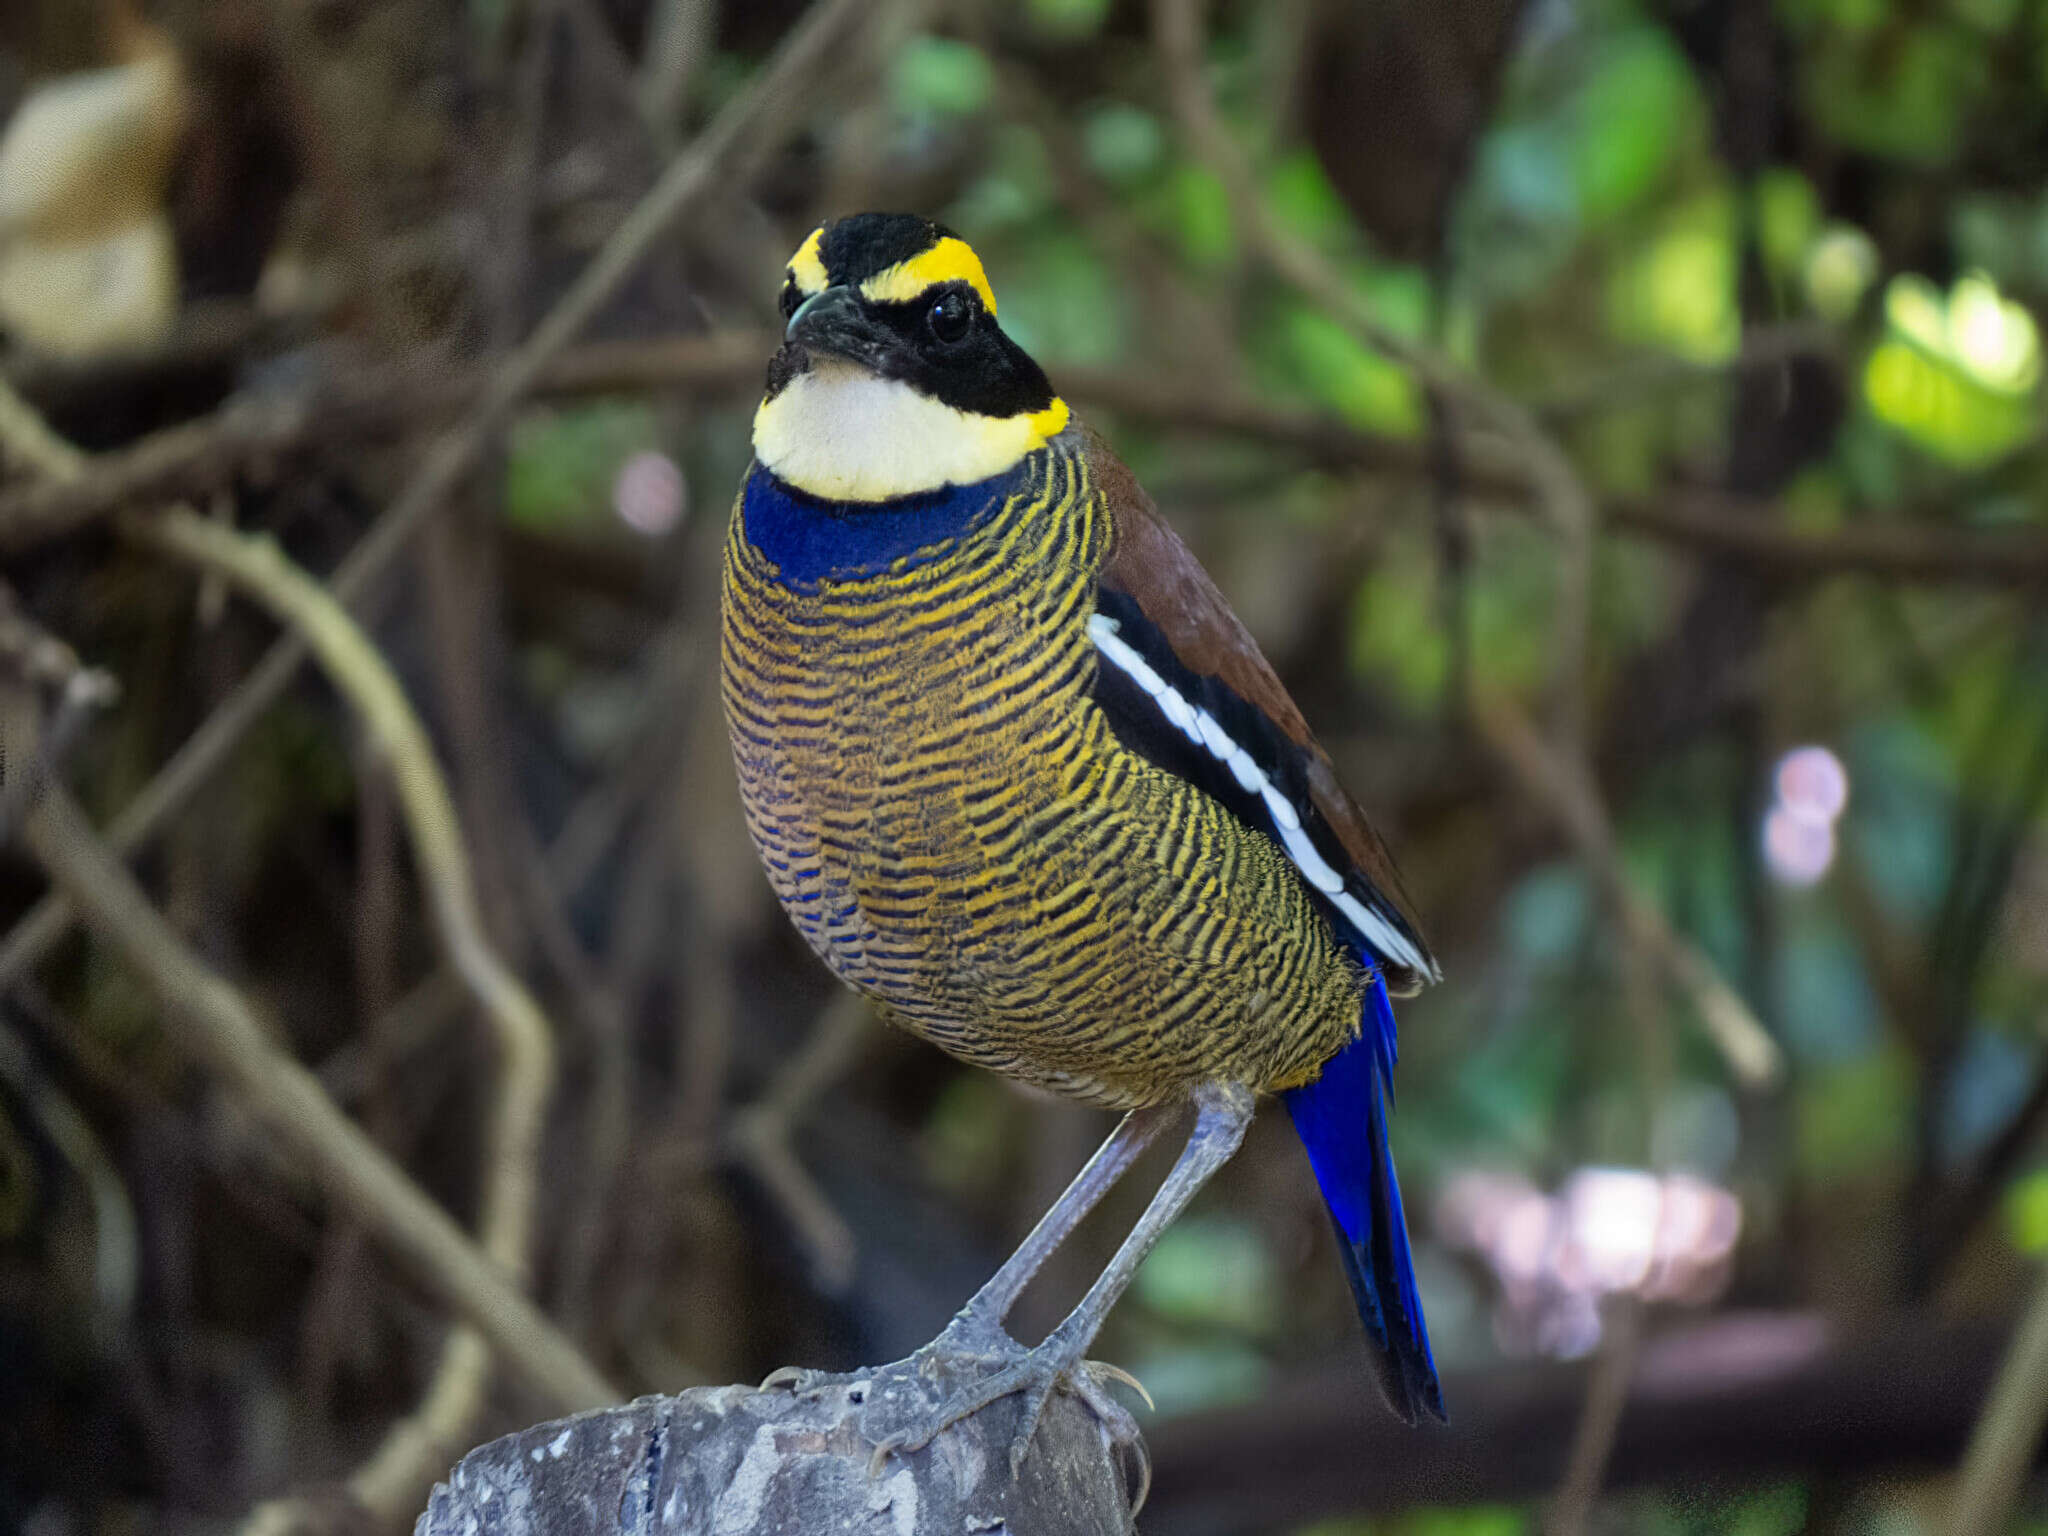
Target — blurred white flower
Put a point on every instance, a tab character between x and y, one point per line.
1812	790
1797	849
649	494
1812	782
1606	1232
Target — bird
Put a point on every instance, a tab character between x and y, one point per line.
1019	775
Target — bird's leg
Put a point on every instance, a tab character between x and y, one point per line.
977	1329
1223	1110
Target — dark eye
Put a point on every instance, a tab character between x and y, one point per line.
790	298
950	318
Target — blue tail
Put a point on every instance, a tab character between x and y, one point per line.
1342	1119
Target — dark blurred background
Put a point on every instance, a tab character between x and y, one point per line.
1620	421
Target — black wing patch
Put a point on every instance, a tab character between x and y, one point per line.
1203	731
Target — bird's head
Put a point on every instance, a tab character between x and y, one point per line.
894	378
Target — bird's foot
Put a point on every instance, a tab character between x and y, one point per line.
973	1338
1056	1364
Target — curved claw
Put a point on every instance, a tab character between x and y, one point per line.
1118	1373
884	1449
790	1376
1144	1455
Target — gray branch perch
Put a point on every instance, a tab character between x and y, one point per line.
792	1457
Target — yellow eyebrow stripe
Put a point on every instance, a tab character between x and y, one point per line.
951	260
807	267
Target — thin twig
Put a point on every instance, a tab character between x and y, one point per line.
1622	1318
2008	1433
117	1244
1961	1209
1554	782
719	363
216	1023
201	455
1731	528
253	432
415	1451
1599	1418
25	438
761	1136
46	696
736	141
1641	378
678	38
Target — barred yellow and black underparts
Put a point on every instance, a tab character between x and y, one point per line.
956	829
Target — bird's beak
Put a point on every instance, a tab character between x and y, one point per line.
833	321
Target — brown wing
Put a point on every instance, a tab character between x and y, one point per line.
1151	569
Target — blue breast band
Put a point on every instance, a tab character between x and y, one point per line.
809	539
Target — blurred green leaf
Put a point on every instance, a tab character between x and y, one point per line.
1123	142
1213	1270
966	1132
1398	293
1850	18
1678	291
2026	1212
1634	589
1470	1520
940	77
1323	358
1628	119
1529	168
1068	20
1990	16
1902	95
1197	214
1476	1520
1013	192
1299	193
1840	268
1509	1090
560	464
1856	1119
1985	1088
1936	404
1209	1373
1830	1013
1779	1511
1959	371
1061	300
1997	233
1511	590
1899	817
1788	220
1397	637
1545	915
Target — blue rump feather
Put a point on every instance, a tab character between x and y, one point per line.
1342	1120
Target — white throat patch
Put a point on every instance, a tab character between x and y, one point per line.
843	433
